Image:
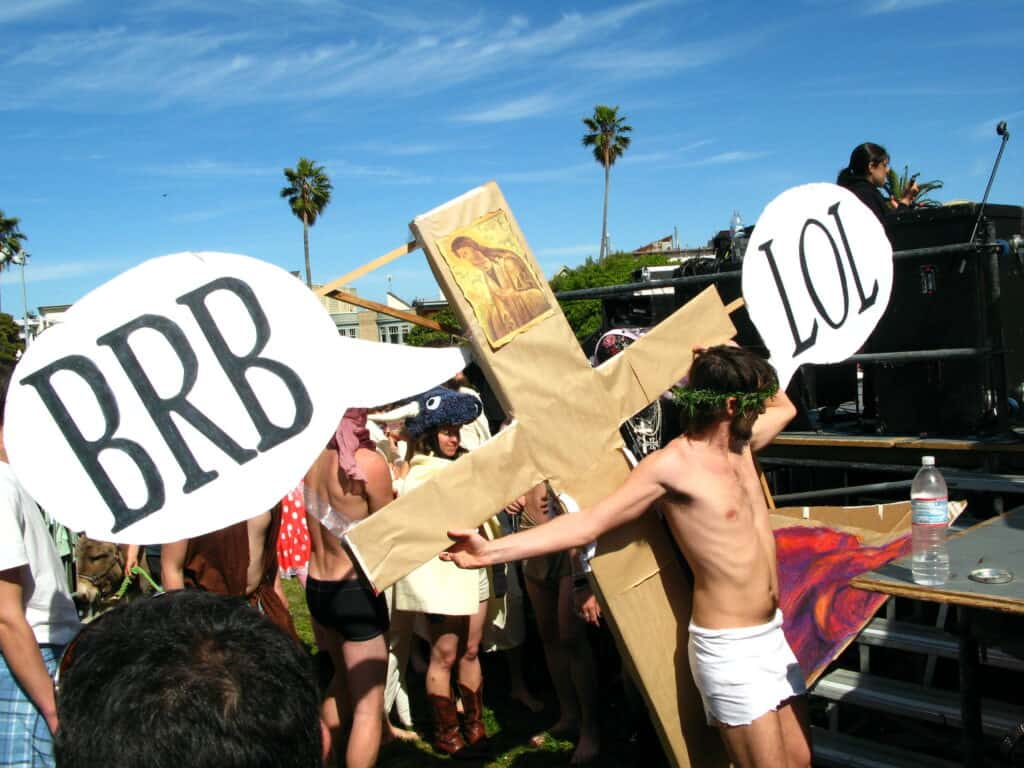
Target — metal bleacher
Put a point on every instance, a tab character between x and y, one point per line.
920	702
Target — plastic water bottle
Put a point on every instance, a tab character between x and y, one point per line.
928	502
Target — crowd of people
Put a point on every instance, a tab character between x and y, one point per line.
216	656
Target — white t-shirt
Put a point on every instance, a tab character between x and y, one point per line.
25	540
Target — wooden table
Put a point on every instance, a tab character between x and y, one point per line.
996	543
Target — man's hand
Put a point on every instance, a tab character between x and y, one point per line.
468	549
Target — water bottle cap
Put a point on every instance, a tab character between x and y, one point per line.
927	461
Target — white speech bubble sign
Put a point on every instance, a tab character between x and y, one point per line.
190	393
817	276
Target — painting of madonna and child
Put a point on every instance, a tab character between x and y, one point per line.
490	266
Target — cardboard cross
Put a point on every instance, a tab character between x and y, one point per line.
566	420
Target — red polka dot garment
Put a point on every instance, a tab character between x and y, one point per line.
293	541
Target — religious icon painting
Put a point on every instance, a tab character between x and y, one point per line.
492	269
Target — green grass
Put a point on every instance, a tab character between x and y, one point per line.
509	724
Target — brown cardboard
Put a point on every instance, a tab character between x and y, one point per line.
566	429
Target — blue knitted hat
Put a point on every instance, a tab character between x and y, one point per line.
441	407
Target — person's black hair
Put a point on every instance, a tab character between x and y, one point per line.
861	159
6	370
722	372
187	679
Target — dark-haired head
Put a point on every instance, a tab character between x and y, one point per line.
722	376
188	678
864	159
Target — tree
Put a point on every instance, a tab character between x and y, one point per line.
615	269
607	134
10	341
426	337
308	193
11	238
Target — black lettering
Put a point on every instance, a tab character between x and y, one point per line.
802	345
88	451
865	301
839	268
160	409
235	367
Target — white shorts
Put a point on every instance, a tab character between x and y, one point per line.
743	673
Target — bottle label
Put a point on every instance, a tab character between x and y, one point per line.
929	511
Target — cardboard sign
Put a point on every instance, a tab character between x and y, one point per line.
817	276
189	393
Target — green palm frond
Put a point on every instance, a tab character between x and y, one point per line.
308	191
11	238
607	133
896	185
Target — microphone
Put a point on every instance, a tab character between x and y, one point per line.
1001	129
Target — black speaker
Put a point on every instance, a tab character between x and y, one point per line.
969	299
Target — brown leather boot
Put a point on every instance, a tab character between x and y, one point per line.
473	716
447	739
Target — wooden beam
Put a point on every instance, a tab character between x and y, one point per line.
380	261
732	306
386	310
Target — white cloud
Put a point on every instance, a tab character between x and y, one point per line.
140	65
18	10
726	158
41	271
895	6
209	169
516	109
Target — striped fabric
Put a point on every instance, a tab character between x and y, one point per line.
25	740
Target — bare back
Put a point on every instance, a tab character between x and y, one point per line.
351	500
716	510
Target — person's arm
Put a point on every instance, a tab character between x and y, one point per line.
642	488
778	412
131	557
20	649
172	564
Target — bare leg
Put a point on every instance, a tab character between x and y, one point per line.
365	668
517	688
796	731
572	631
469	672
764	743
444	647
545	608
335	707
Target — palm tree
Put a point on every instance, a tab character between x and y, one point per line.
11	238
308	192
607	134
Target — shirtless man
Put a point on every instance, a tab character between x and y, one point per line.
348	482
707	488
239	560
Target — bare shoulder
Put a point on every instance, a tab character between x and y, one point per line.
668	465
371	462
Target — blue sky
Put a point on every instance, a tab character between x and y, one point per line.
131	130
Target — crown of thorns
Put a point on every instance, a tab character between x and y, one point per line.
693	400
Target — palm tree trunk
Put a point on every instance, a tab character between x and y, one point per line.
305	245
604	218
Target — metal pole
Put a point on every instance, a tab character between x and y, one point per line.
24	297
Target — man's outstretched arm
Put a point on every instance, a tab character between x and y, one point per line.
642	488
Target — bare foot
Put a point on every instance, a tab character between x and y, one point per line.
562	730
524	697
587	749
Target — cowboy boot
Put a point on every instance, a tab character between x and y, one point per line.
447	739
472	720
